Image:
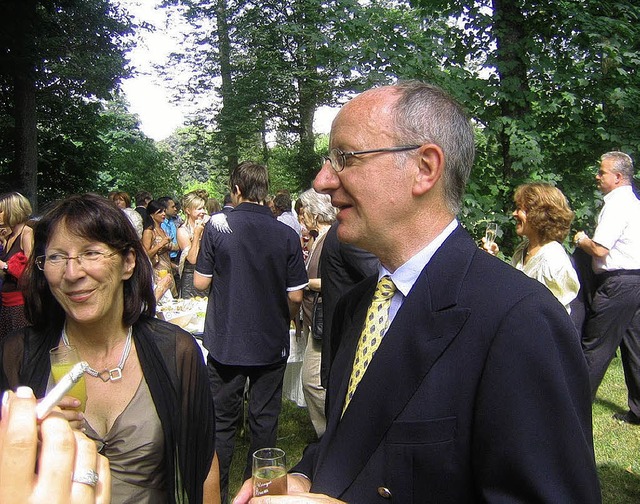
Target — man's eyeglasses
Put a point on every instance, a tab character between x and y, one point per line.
88	259
338	158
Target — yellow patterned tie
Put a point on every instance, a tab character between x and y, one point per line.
375	326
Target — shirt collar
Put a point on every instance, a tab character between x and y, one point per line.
407	274
618	191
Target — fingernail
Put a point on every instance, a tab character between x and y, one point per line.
5	398
24	392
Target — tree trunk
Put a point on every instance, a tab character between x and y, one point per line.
510	36
307	103
225	118
26	137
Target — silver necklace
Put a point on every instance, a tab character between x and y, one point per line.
106	374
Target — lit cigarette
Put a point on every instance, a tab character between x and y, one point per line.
56	394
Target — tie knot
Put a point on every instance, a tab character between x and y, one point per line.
385	289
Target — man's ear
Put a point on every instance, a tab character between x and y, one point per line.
430	168
618	177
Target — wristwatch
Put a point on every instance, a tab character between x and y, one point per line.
5	268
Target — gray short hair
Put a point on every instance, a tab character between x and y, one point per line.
319	205
622	164
424	113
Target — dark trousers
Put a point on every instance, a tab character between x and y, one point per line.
265	401
615	322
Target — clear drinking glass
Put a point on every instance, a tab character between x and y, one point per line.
269	472
490	233
63	358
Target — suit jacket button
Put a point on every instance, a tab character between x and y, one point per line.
384	492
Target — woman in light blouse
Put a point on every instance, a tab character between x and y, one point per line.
543	218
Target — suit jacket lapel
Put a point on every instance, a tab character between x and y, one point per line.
423	328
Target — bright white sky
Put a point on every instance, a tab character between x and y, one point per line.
146	93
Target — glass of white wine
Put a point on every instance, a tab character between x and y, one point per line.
269	472
490	233
63	358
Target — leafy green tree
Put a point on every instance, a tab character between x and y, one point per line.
274	63
133	161
58	58
551	85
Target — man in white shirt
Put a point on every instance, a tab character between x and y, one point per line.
615	311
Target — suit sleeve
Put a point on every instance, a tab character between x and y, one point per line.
532	434
306	464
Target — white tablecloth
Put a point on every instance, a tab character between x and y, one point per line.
292	386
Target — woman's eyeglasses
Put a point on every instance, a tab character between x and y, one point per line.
87	259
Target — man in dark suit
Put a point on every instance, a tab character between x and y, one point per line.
478	391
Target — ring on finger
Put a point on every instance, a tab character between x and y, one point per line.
88	477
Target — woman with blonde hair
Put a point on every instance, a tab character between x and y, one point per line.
189	235
543	218
15	210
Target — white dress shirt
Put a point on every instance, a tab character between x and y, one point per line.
407	274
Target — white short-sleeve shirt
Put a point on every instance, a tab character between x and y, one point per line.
619	230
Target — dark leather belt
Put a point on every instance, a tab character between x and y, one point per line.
614	273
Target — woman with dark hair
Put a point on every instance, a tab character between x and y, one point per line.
157	243
148	408
15	210
543	218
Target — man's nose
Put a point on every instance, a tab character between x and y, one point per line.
327	179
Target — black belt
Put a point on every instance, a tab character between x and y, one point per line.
614	273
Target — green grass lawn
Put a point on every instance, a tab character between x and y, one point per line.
295	432
617	445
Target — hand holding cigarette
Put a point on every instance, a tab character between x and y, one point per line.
69	468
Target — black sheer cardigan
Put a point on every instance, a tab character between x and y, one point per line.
173	367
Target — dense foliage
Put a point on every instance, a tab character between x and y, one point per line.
551	86
58	60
